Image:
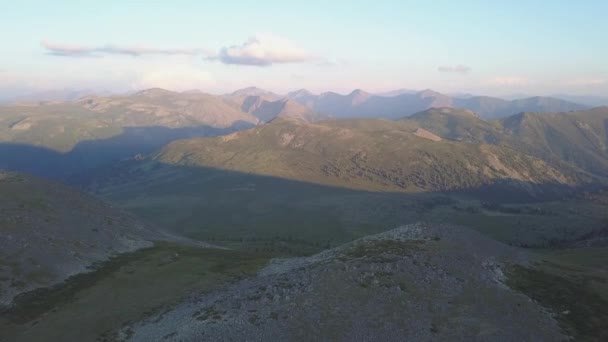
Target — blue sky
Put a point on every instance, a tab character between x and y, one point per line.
484	47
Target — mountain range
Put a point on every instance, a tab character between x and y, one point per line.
392	105
435	150
95	130
299	194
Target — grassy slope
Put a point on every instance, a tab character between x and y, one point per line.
363	154
267	212
571	283
124	289
216	205
579	138
457	124
61	126
56	126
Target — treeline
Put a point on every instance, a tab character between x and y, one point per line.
279	244
512	210
521	210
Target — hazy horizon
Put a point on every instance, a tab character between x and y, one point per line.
499	50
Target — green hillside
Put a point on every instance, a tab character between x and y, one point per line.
368	154
457	124
579	138
297	186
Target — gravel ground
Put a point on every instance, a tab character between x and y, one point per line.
417	282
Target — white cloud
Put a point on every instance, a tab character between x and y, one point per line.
458	69
259	50
178	78
265	50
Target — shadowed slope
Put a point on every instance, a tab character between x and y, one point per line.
89	154
49	232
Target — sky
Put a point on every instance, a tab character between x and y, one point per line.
482	47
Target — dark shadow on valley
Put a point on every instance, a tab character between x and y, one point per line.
300	217
87	155
295	217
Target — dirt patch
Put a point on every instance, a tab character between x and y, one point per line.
286	138
423	133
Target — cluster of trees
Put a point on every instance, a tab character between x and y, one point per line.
521	210
287	244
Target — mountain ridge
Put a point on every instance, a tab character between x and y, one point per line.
404	104
362	154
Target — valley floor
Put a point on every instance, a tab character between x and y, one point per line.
542	264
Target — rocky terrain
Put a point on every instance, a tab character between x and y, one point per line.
417	282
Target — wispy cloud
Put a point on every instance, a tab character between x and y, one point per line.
259	50
458	69
65	50
265	50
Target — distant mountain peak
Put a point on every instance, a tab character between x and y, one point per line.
429	93
359	96
193	91
299	93
517	121
397	92
444	111
153	92
359	92
329	93
251	91
455	111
